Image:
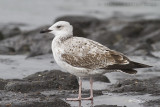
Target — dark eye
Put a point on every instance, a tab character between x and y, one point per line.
59	27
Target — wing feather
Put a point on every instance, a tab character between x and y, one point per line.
92	55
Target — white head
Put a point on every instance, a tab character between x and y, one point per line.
60	28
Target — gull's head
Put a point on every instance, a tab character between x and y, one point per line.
60	28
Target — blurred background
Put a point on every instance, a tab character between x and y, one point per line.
38	12
131	27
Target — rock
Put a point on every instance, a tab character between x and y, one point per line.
1	36
152	103
132	30
11	99
136	37
6	50
107	38
101	78
24	48
139	35
2	84
108	106
149	86
44	81
36	43
10	30
31	42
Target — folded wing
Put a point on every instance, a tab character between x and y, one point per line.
99	57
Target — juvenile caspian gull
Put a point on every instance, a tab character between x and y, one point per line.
85	58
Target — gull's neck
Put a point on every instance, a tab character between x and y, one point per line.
61	38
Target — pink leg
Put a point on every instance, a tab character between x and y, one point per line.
91	91
79	95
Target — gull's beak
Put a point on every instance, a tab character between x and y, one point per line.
45	31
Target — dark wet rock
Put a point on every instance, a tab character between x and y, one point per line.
150	86
31	42
9	30
44	81
101	78
108	106
52	103
152	103
2	84
1	36
34	43
24	86
6	50
24	48
132	36
132	30
136	37
11	99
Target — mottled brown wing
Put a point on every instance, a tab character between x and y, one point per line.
96	60
119	57
124	64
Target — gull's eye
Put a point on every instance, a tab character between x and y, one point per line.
59	27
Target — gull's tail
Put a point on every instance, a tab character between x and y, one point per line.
139	65
134	65
127	68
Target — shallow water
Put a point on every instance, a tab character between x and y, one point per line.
41	12
18	66
35	13
115	99
22	66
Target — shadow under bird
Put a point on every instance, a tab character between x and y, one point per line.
86	58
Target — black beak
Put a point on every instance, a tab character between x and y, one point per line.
45	31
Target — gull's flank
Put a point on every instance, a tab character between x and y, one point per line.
86	58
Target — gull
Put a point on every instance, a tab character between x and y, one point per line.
83	57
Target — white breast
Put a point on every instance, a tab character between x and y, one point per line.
57	51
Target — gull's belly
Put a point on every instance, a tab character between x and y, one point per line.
80	72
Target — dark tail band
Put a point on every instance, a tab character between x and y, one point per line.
139	65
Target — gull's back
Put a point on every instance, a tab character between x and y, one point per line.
85	53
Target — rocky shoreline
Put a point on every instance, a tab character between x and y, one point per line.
137	37
49	88
28	92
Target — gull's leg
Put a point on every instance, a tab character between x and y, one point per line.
79	95
80	88
91	91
